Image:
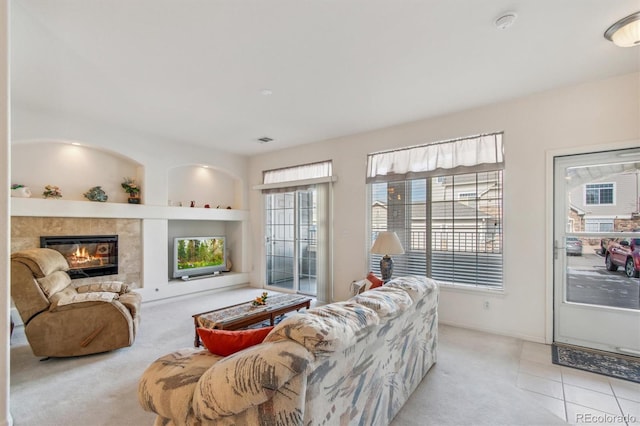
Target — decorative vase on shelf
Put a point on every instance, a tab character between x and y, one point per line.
20	191
134	198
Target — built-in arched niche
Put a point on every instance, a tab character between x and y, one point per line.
73	167
204	186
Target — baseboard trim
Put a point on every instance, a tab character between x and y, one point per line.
505	333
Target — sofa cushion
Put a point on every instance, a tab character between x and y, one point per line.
249	378
227	342
328	328
53	283
417	287
387	302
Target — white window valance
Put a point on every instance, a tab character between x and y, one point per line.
295	173
296	177
466	155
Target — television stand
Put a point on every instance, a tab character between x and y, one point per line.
199	277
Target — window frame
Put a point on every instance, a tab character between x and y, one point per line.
600	189
416	247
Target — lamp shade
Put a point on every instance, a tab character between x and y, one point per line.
387	243
625	32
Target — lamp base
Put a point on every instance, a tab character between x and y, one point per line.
386	268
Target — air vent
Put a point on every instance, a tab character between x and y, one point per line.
265	140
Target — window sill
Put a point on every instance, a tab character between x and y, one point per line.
463	288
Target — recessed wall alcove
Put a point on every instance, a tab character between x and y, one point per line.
73	168
204	185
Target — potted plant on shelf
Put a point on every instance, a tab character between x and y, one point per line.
52	191
133	189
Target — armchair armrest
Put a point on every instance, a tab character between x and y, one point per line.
111	286
87	299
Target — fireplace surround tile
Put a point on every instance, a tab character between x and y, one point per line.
26	232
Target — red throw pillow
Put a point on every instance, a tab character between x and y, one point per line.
227	342
375	281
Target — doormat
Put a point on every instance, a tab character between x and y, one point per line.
607	363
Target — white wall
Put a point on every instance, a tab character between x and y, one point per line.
590	114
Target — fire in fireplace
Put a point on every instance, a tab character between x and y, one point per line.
87	255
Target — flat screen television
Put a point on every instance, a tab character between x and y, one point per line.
193	256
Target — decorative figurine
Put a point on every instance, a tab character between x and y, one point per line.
96	194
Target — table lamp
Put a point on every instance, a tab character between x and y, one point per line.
387	243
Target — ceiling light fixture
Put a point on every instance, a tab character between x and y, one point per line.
506	20
625	32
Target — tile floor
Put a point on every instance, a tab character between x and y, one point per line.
577	396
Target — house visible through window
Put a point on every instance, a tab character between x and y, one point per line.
450	224
598	193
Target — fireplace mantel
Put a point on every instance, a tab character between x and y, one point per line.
91	209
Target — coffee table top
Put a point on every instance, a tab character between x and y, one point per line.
236	312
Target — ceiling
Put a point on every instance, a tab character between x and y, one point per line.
195	70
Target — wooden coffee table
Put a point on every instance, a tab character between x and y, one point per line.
245	314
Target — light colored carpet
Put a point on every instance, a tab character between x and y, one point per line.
474	381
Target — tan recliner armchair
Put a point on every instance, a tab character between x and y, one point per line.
62	320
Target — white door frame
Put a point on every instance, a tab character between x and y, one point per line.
549	220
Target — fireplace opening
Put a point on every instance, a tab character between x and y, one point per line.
87	255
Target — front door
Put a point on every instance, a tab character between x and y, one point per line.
597	250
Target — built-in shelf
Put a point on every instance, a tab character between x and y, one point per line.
179	287
91	209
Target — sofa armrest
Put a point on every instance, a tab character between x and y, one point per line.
250	377
166	387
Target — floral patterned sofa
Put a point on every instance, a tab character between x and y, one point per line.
352	362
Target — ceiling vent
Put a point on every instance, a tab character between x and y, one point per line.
265	140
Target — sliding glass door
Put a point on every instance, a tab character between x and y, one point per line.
291	240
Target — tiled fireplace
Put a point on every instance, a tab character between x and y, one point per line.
26	232
87	255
